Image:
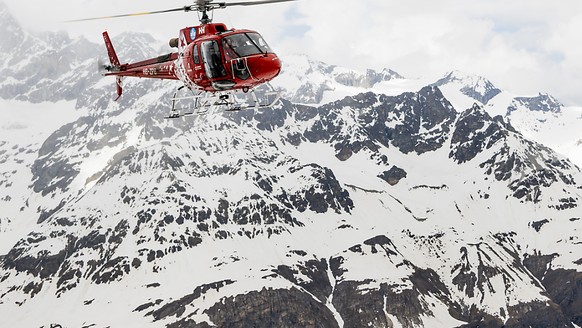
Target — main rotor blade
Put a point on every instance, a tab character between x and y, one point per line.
185	8
252	3
201	5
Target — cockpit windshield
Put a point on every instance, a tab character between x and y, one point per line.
244	44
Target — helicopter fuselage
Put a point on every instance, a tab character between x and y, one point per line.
210	57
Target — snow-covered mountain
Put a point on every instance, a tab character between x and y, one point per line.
375	210
471	86
308	81
539	117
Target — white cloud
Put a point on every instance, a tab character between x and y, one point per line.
523	46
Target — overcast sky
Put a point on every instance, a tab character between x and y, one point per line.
523	46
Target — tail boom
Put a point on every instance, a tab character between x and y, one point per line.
161	67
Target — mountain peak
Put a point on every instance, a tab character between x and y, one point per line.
135	46
393	74
543	102
11	31
473	86
308	81
373	77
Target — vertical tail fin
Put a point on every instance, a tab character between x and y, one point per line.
111	51
114	60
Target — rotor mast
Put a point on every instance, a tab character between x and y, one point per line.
203	6
204	19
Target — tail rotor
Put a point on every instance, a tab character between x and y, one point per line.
115	64
102	68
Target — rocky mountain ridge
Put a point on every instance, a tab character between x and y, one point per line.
540	117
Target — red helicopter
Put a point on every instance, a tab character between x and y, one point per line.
212	61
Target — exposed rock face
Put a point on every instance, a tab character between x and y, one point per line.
475	132
393	175
410	122
566	295
542	103
272	308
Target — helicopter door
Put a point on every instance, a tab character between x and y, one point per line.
212	59
198	68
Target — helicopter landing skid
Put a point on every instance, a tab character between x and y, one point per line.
206	102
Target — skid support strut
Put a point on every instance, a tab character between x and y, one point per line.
227	101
